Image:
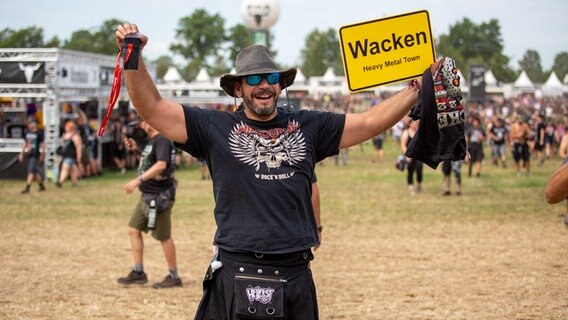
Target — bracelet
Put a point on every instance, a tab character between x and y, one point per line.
320	229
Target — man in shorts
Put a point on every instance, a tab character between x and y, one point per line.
156	182
33	152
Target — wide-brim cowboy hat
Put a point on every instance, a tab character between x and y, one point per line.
255	59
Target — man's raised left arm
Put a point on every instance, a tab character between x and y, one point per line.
360	127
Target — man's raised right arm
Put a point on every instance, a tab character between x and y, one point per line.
166	116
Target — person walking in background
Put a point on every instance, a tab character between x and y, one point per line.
549	139
262	163
449	166
33	152
94	165
71	152
520	135
475	137
85	132
413	166
155	181
118	148
539	135
498	134
378	141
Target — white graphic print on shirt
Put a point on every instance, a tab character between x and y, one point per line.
270	147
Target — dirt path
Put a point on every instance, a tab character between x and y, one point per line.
508	268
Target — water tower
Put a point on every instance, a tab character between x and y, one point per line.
259	16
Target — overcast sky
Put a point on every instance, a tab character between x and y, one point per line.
539	25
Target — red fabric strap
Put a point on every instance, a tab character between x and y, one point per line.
116	84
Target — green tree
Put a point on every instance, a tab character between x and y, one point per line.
199	36
106	38
99	40
81	40
219	66
30	37
532	66
321	51
191	69
162	64
469	43
54	42
238	38
560	65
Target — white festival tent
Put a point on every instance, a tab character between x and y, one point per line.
172	76
490	80
203	90
552	87
523	84
329	83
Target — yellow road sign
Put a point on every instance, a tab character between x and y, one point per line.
387	50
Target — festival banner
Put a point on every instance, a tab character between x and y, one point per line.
22	72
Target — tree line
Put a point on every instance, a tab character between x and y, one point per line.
216	45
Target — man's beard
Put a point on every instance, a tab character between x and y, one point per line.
260	110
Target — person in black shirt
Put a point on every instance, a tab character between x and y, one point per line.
261	163
33	152
498	134
540	133
475	136
156	183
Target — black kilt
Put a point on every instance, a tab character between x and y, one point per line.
289	274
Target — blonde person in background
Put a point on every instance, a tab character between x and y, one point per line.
71	152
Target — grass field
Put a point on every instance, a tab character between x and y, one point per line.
496	252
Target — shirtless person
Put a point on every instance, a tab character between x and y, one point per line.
520	132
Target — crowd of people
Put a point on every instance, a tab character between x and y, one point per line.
510	133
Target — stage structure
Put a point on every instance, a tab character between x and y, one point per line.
50	78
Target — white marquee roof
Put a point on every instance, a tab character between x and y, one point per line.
172	75
203	76
490	79
523	81
552	86
553	81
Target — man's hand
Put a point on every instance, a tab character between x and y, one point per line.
131	144
129	29
132	185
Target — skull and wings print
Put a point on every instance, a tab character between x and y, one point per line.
268	150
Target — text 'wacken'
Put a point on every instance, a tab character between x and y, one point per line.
395	42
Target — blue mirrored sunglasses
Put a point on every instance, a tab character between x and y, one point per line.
256	79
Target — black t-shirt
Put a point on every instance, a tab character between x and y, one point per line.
262	174
157	149
475	135
500	134
540	131
33	141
